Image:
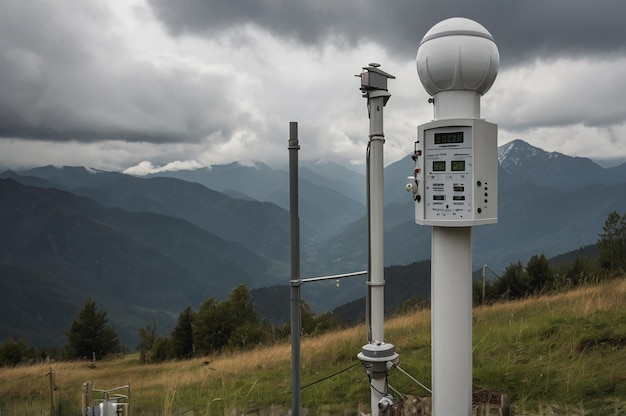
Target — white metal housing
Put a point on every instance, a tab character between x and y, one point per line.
456	173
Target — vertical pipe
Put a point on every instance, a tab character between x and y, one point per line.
294	225
451	291
452	321
376	232
377	280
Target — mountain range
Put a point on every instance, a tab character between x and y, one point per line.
146	247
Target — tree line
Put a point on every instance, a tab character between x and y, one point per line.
539	277
229	325
233	324
217	326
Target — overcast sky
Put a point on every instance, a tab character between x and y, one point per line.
161	84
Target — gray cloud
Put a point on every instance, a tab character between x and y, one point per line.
64	75
523	29
121	81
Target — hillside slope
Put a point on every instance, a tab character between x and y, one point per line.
54	240
561	354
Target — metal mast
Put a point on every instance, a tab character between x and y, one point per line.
376	354
294	225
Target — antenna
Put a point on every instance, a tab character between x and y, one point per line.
376	353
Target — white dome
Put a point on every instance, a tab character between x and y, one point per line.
457	54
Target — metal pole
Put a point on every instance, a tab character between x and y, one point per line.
451	291
376	354
294	225
451	320
377	280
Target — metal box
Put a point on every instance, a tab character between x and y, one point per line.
456	173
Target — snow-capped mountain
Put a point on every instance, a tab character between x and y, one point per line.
552	169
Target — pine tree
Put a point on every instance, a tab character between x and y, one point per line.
182	335
513	284
161	350
540	274
244	325
90	334
12	352
210	332
612	242
232	323
241	306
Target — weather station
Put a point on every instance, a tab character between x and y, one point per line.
454	186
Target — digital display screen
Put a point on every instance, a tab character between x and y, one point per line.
457	165
449	138
439	165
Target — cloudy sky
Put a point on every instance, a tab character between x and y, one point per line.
139	85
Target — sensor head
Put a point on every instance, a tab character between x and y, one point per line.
457	54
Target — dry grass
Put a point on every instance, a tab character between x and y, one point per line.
526	348
210	379
607	296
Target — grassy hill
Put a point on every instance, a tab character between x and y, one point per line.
559	355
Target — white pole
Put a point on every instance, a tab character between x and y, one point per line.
377	353
377	280
451	291
451	294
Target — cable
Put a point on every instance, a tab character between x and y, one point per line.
496	274
506	282
330	376
403	396
413	378
382	393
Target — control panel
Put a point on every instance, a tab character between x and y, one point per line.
455	180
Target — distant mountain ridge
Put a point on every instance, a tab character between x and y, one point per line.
326	203
259	226
131	260
80	232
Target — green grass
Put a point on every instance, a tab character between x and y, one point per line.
566	352
553	355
